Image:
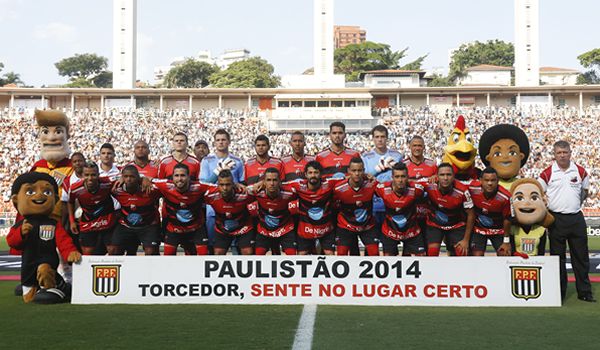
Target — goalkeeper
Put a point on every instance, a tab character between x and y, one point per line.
211	166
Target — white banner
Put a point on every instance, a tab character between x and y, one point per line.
444	281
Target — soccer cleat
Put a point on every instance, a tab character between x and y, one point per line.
588	298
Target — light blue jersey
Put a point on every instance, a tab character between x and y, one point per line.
371	159
208	166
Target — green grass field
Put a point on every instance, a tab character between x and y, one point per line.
575	326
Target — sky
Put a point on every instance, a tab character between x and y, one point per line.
39	33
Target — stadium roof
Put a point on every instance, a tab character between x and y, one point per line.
557	70
323	96
392	72
489	67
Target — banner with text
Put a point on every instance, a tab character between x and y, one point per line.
457	281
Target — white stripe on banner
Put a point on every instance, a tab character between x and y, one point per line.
306	326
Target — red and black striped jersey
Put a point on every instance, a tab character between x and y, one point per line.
167	165
231	217
255	170
448	210
490	213
98	210
293	168
336	164
149	170
420	172
184	212
400	210
138	209
356	205
274	218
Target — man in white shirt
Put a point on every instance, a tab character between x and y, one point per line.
567	185
107	161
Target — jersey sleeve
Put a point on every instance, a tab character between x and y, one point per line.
240	171
206	172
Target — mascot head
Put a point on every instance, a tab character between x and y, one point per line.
460	151
529	203
34	194
53	134
504	147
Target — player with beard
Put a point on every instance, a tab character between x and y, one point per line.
184	223
201	150
141	160
275	226
179	143
255	168
315	218
451	214
140	221
400	224
355	217
232	218
96	224
491	203
336	159
293	165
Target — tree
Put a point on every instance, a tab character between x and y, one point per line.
10	78
190	74
357	58
439	80
494	52
84	70
591	60
253	72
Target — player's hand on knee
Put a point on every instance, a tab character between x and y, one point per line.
26	228
461	248
504	250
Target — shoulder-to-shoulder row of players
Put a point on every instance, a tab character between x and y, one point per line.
211	202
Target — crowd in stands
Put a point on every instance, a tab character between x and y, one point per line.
89	129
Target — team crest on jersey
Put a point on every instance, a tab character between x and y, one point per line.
58	177
528	244
526	282
107	280
47	232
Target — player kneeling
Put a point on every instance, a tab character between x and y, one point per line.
275	224
232	219
400	223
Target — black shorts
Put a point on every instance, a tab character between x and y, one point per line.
347	238
327	242
198	237
149	236
92	238
414	245
479	241
286	241
223	241
435	235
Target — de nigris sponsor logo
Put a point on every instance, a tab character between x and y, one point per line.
593	231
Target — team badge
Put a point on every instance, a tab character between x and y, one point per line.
47	232
528	244
526	282
106	280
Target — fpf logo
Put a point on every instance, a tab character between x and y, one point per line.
106	280
526	282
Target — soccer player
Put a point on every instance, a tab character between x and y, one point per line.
355	217
141	160
492	214
107	162
400	224
315	219
336	159
212	165
179	143
451	216
232	219
275	226
255	168
293	165
140	221
201	149
184	220
77	161
97	222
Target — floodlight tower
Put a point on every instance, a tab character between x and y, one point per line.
124	43
527	43
323	38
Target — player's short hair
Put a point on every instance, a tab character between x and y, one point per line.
446	165
357	160
107	146
417	137
380	128
182	166
130	168
297	132
399	166
273	171
201	142
91	164
488	170
77	154
262	138
180	134
223	132
337	124
561	144
223	174
313	164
